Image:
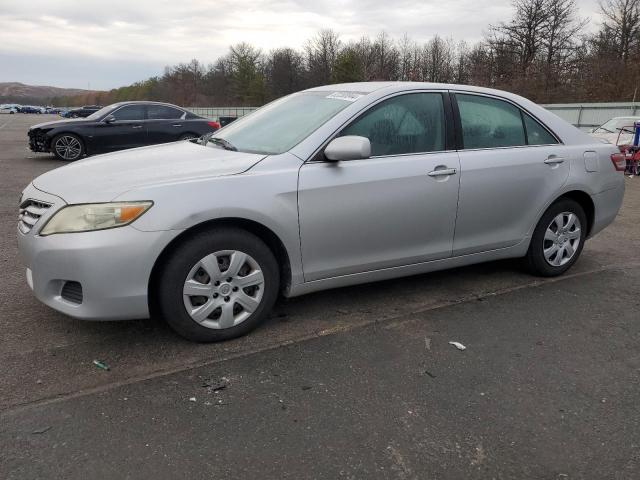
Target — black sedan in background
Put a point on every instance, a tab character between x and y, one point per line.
116	127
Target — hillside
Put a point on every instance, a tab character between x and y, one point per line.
21	93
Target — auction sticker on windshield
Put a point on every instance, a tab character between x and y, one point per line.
348	96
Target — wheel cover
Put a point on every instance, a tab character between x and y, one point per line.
68	147
562	239
223	289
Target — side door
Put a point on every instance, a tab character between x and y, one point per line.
511	166
164	124
397	207
129	129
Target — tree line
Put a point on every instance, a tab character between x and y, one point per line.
542	53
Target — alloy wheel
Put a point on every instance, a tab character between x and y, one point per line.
68	147
562	239
223	289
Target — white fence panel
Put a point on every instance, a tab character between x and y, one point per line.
589	115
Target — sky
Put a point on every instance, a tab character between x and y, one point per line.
107	44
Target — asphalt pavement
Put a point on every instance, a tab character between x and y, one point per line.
354	383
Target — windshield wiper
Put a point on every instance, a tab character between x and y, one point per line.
226	144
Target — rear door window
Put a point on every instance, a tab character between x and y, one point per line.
489	122
163	112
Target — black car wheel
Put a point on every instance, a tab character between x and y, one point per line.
67	147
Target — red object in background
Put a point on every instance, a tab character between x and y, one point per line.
214	125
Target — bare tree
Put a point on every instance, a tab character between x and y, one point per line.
622	26
525	32
322	51
386	58
560	40
437	60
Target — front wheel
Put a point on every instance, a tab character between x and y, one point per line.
217	285
67	147
558	239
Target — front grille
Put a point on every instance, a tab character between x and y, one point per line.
37	141
72	292
30	213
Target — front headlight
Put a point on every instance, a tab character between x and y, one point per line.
94	216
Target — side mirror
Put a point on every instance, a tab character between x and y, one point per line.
109	119
350	147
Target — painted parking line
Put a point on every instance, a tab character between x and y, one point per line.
6	123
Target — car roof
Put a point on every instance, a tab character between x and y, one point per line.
145	102
370	87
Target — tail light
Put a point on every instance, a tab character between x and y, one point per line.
214	125
619	161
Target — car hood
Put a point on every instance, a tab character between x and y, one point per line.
59	123
104	177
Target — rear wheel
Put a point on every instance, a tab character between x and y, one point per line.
67	147
558	239
218	285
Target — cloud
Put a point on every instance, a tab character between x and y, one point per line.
144	35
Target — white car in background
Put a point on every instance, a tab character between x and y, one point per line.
9	108
617	131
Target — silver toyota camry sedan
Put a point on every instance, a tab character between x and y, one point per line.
328	187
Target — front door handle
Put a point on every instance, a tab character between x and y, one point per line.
553	160
176	125
137	126
442	172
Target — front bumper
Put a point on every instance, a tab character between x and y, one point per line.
38	141
113	268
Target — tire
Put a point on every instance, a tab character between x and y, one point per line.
188	136
184	270
554	250
60	143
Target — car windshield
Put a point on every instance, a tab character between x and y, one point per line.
281	125
615	125
100	113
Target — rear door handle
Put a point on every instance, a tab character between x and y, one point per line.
442	172
137	126
553	160
176	125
